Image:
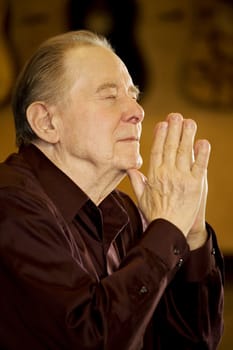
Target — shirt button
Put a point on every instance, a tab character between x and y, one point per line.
143	290
213	252
176	251
180	262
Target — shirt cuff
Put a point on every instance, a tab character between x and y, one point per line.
200	261
167	243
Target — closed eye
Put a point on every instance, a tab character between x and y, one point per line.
111	96
107	91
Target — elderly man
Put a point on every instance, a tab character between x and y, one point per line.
83	267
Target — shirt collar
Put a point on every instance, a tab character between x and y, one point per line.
66	195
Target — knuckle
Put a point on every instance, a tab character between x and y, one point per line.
182	151
156	152
169	147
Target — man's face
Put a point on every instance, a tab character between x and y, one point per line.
101	119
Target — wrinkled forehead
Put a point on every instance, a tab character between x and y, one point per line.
94	63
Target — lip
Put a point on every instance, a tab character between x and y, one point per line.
130	139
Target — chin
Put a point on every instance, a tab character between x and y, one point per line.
134	164
128	161
140	162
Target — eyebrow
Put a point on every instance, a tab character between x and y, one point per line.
133	88
106	86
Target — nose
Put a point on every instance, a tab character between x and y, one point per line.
134	113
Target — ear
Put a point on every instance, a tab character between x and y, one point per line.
40	118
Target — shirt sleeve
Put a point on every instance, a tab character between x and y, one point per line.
190	313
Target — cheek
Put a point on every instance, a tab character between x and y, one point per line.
93	129
102	131
96	139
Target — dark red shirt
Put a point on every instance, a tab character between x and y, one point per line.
74	276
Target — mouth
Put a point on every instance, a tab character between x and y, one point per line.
130	139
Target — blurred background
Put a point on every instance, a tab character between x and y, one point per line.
179	52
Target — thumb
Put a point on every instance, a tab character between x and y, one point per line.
138	181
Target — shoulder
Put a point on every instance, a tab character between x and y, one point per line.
27	215
20	190
14	172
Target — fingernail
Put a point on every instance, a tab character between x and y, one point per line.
190	124
176	116
163	125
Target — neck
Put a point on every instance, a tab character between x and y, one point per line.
96	182
101	185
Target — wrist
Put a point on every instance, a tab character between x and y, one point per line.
196	240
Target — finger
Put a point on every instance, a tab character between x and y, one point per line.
156	155
185	158
175	122
202	154
138	181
